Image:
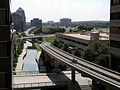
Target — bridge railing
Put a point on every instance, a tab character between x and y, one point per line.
39	84
25	72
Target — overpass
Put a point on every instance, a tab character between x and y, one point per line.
100	74
33	38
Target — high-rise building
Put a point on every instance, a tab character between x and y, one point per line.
5	46
19	19
65	21
115	35
36	22
22	13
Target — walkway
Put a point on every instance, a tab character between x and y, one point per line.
20	59
47	80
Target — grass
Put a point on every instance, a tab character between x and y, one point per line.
38	46
50	38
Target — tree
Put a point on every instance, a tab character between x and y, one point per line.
56	43
78	53
97	53
65	47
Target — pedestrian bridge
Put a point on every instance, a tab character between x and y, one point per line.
34	79
38	80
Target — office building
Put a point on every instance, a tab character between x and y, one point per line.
5	46
19	19
65	21
50	22
22	13
82	40
36	22
115	35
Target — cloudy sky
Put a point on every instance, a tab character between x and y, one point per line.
77	10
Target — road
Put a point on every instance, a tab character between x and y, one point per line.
28	30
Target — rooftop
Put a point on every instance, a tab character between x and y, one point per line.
102	36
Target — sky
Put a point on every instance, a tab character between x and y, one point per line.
77	10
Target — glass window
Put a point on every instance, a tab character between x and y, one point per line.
114	16
115	44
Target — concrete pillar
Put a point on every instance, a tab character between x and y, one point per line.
73	75
46	56
56	64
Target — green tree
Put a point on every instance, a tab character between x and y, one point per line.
56	43
78	53
65	47
97	53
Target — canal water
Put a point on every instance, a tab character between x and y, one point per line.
30	63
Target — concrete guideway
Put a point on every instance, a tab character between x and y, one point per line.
20	59
102	75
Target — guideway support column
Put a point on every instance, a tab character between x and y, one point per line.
73	75
56	64
56	70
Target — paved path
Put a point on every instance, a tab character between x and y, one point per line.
43	79
20	59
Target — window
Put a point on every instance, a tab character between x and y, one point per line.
115	2
115	30
115	44
114	16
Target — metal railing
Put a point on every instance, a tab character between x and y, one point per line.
39	84
25	72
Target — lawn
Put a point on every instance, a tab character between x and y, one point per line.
38	46
50	38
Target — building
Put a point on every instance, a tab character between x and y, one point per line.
82	40
5	46
49	27
36	22
50	22
22	13
115	35
19	19
65	21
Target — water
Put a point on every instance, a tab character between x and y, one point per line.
30	63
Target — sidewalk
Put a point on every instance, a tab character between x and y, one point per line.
20	59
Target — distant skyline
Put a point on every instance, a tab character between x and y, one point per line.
77	10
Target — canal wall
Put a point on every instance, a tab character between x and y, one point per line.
40	62
20	59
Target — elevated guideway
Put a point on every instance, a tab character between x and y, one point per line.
98	73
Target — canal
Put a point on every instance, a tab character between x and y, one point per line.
30	63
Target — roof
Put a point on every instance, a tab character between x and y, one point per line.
102	36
